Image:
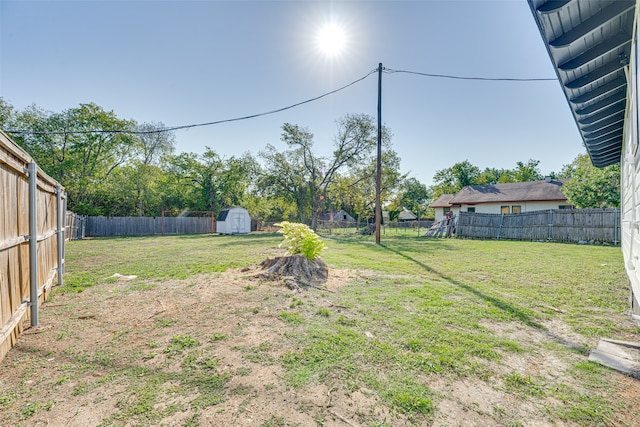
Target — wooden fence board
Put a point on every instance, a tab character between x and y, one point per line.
100	226
14	247
561	225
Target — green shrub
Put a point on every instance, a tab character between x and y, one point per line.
300	239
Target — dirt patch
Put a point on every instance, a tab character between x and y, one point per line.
96	361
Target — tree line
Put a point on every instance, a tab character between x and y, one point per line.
116	167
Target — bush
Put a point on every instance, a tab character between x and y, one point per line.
300	239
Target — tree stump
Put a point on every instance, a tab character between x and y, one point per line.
310	272
371	228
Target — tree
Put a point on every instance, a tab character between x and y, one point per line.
589	186
283	178
7	114
79	147
453	179
414	196
526	172
305	175
206	182
495	176
150	146
355	190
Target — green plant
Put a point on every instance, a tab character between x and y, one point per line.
292	318
179	343
274	421
300	239
322	311
28	410
218	336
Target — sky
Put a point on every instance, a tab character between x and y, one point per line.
191	62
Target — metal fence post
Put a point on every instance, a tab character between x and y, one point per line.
615	226
33	242
60	232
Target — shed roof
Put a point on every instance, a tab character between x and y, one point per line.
589	43
336	216
406	215
533	191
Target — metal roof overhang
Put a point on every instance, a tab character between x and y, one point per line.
589	43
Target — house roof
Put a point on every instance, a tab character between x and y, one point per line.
406	215
331	216
533	191
443	201
589	43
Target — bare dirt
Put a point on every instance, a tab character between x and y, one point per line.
61	373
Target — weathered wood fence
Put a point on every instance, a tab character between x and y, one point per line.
32	235
103	226
76	226
351	227
558	225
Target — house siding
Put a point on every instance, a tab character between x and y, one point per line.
630	179
495	208
439	214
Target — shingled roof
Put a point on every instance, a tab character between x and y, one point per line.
443	201
533	191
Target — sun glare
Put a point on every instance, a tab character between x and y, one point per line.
331	39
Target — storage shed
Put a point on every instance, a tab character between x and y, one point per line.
233	220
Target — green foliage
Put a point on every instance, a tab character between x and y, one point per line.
413	196
179	343
589	186
323	311
292	318
523	385
303	177
274	421
452	179
300	239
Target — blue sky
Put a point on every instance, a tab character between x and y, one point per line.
185	62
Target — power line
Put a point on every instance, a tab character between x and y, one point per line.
252	116
492	79
174	128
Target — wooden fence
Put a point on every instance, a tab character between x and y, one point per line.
103	226
354	227
32	233
558	225
76	226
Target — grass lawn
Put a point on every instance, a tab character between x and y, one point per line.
411	332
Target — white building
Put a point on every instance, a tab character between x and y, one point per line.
515	197
234	220
593	46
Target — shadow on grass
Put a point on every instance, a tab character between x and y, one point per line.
501	304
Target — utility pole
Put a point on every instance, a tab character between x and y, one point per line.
379	158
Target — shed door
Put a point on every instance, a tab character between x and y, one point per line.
236	223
